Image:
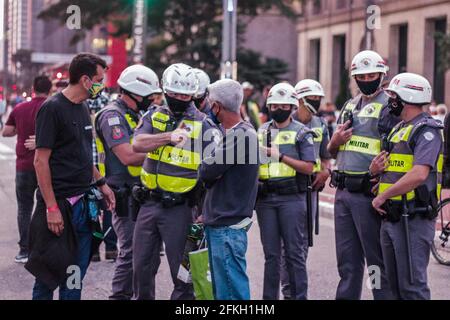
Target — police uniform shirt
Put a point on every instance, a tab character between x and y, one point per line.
198	147
304	141
323	151
305	145
116	131
386	121
427	144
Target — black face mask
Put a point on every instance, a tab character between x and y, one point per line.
396	106
198	102
141	105
178	107
280	115
369	87
313	103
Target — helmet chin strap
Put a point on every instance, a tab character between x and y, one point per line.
309	107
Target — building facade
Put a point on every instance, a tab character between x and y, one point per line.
331	32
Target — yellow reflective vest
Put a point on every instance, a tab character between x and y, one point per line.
134	171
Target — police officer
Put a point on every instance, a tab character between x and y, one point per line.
310	93
363	121
250	109
281	205
115	125
173	138
413	173
200	96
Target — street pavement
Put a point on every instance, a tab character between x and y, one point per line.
16	283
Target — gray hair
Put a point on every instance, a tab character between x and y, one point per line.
228	93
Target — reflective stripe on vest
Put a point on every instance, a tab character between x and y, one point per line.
362	144
356	155
170	168
317	127
285	139
134	171
401	161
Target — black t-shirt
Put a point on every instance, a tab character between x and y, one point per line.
66	129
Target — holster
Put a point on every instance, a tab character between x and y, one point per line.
353	183
428	201
122	195
393	210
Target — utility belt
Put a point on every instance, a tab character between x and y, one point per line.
282	187
168	199
354	183
424	205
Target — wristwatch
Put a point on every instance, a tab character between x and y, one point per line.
100	182
281	157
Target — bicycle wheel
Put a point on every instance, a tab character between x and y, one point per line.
440	247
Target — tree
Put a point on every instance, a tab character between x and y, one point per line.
443	42
187	31
258	70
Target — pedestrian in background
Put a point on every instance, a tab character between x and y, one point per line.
21	122
231	193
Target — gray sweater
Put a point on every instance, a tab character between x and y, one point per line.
232	179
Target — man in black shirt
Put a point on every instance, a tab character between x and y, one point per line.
65	169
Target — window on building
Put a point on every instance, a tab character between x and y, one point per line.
314	59
402	48
341	4
398	48
317	6
338	66
440	25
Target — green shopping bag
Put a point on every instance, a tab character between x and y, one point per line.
201	274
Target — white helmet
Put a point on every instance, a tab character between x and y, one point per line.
203	83
309	87
368	61
411	88
180	78
282	93
247	85
139	80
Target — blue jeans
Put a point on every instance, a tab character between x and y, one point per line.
81	223
226	249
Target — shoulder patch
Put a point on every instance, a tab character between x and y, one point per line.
113	121
429	136
117	133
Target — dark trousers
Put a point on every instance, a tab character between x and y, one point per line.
395	256
26	186
155	223
357	233
282	220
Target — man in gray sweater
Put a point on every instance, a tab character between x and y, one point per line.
231	177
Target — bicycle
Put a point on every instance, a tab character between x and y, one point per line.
440	247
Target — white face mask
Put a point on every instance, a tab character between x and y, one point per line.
440	117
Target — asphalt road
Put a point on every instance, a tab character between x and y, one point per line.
16	282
